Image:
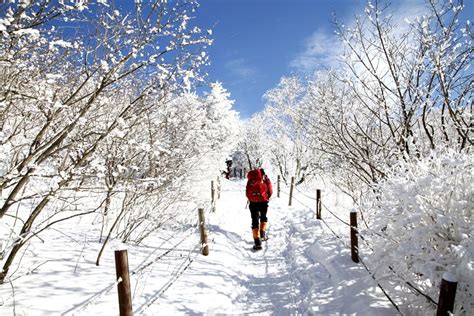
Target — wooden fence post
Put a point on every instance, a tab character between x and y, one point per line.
123	286
447	294
235	172
202	229
241	173
212	192
218	188
318	204
278	186
354	239
291	190
245	173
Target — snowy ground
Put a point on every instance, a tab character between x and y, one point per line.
302	270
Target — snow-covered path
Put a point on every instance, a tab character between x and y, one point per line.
303	269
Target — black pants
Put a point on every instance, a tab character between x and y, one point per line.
258	210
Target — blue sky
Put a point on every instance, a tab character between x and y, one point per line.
256	42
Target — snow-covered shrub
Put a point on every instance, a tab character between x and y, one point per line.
422	227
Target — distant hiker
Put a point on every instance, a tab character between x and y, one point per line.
228	162
258	191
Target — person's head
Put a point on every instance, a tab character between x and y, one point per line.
263	171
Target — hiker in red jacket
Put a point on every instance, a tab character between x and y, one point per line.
258	191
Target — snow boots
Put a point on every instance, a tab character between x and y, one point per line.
258	244
263	231
259	234
256	238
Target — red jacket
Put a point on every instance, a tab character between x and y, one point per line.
259	186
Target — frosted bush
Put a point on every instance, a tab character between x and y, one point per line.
421	223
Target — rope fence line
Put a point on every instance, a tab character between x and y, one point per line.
310	207
136	273
146	263
337	217
174	248
87	303
324	205
408	283
341	240
82	306
415	290
302	193
161	256
179	271
365	266
372	275
305	205
333	232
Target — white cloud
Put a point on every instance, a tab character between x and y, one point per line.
321	50
241	69
408	10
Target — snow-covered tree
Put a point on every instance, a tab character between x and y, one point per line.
388	100
80	79
290	148
420	226
253	142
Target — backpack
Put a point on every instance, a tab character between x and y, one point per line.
256	190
